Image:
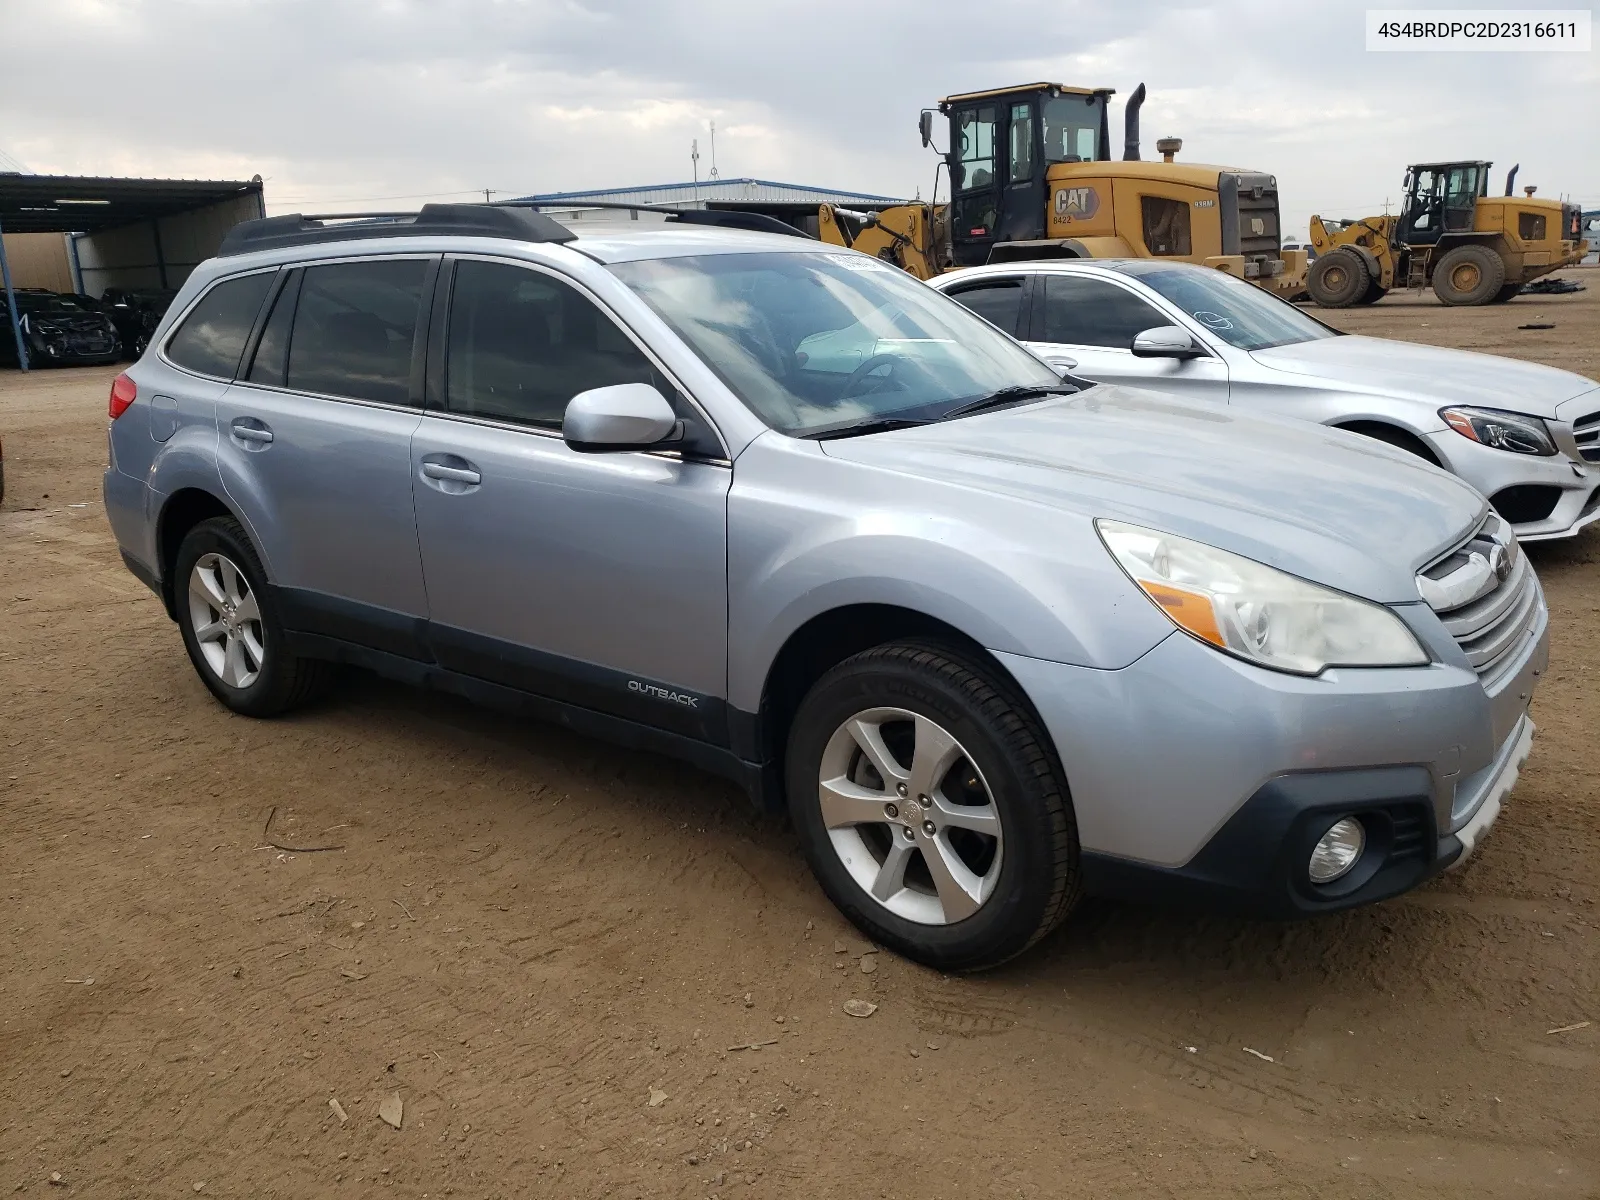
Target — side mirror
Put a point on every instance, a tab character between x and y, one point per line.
925	124
625	416
1165	341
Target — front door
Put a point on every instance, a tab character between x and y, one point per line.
975	182
1022	200
315	437
1086	325
594	579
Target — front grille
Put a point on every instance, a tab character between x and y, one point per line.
1489	617
1586	432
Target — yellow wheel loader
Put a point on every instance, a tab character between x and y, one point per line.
1031	176
1450	235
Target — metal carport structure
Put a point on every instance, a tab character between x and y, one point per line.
138	216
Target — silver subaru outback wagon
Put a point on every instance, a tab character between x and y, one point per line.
995	637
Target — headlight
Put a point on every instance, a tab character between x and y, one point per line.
1502	430
1256	612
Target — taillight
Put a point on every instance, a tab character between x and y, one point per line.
123	393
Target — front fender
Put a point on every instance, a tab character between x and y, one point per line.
809	534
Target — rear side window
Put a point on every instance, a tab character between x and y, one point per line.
523	344
998	301
272	355
212	337
1079	311
354	327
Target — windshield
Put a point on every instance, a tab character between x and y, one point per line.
1239	313
815	341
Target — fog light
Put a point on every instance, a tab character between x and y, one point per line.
1338	850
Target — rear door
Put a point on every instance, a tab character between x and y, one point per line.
315	440
594	579
1086	324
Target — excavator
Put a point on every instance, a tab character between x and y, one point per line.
1450	235
1031	176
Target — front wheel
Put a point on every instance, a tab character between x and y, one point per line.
931	807
1338	279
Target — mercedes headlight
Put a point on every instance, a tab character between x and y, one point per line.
1256	612
1502	430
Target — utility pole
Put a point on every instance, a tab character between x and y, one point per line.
694	158
486	192
713	150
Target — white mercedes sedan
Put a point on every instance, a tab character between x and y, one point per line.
1525	435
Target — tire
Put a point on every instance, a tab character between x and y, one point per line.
1375	292
1338	279
999	773
243	659
1506	293
1469	275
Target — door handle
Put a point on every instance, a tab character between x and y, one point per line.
435	470
246	431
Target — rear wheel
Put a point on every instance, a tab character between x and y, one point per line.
231	628
931	808
1338	279
1469	275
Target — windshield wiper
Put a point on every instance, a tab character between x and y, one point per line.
867	425
1009	395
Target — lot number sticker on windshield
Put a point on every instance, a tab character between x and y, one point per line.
858	262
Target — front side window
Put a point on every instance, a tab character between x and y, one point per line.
975	130
812	341
212	337
998	301
1082	311
1239	313
523	344
354	327
1072	128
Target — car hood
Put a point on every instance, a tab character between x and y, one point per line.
1433	374
1333	507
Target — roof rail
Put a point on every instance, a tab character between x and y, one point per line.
466	220
722	218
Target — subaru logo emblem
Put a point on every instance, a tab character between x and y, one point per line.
1500	562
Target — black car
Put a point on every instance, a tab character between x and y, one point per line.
64	330
135	313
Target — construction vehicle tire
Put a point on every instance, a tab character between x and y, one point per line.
1505	293
1375	292
1469	275
1338	279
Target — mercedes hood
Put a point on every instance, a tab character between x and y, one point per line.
1433	374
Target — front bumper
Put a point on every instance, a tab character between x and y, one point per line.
1201	780
1564	478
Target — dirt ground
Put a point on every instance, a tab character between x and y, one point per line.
552	951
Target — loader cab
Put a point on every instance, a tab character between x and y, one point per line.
1001	144
1441	198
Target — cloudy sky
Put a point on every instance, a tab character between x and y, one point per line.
343	104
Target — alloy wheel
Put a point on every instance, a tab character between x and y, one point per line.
226	620
910	816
